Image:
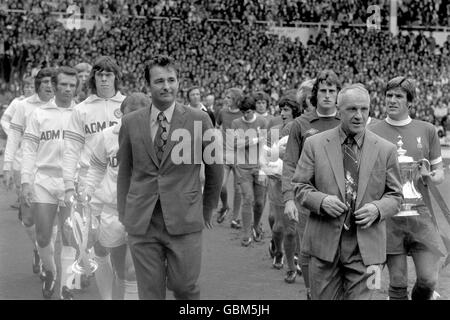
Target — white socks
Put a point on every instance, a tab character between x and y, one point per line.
127	289
131	290
47	255
67	258
104	277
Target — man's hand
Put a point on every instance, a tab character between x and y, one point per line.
84	196
333	206
207	216
27	194
8	180
68	197
290	209
366	215
436	176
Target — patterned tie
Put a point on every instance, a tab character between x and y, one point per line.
351	179
161	136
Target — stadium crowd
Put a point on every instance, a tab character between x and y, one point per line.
429	12
218	55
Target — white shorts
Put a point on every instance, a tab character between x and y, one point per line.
112	232
48	190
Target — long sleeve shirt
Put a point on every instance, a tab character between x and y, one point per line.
43	143
17	128
103	170
9	114
89	118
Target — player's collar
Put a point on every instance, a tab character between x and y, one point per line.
51	104
326	115
118	97
398	123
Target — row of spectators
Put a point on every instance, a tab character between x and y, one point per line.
410	12
217	56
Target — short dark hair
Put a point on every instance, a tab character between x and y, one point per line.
290	100
136	101
325	76
247	103
45	72
188	92
64	70
104	63
403	83
160	61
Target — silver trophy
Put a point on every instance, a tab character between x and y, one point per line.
409	170
84	229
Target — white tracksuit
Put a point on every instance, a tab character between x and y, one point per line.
88	119
102	179
17	127
103	170
5	121
43	147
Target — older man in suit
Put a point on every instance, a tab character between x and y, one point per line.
160	200
349	178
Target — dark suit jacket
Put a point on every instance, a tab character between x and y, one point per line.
320	172
142	180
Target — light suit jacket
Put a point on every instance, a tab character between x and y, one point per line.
320	172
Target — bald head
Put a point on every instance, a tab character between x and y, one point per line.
353	92
209	100
353	103
134	102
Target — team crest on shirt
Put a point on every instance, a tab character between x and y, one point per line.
118	113
311	132
419	142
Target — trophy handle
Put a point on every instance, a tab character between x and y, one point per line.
425	162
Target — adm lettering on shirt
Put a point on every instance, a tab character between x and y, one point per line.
51	135
112	161
95	127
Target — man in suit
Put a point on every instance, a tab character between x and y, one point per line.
159	197
349	179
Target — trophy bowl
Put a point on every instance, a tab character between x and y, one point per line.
409	170
85	229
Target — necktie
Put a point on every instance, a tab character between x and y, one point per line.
161	136
351	179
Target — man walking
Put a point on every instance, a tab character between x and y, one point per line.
160	199
349	179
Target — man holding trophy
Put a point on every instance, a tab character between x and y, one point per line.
413	231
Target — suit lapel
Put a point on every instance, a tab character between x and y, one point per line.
334	151
178	120
144	123
369	156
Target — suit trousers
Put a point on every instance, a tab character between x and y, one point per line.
346	278
161	258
